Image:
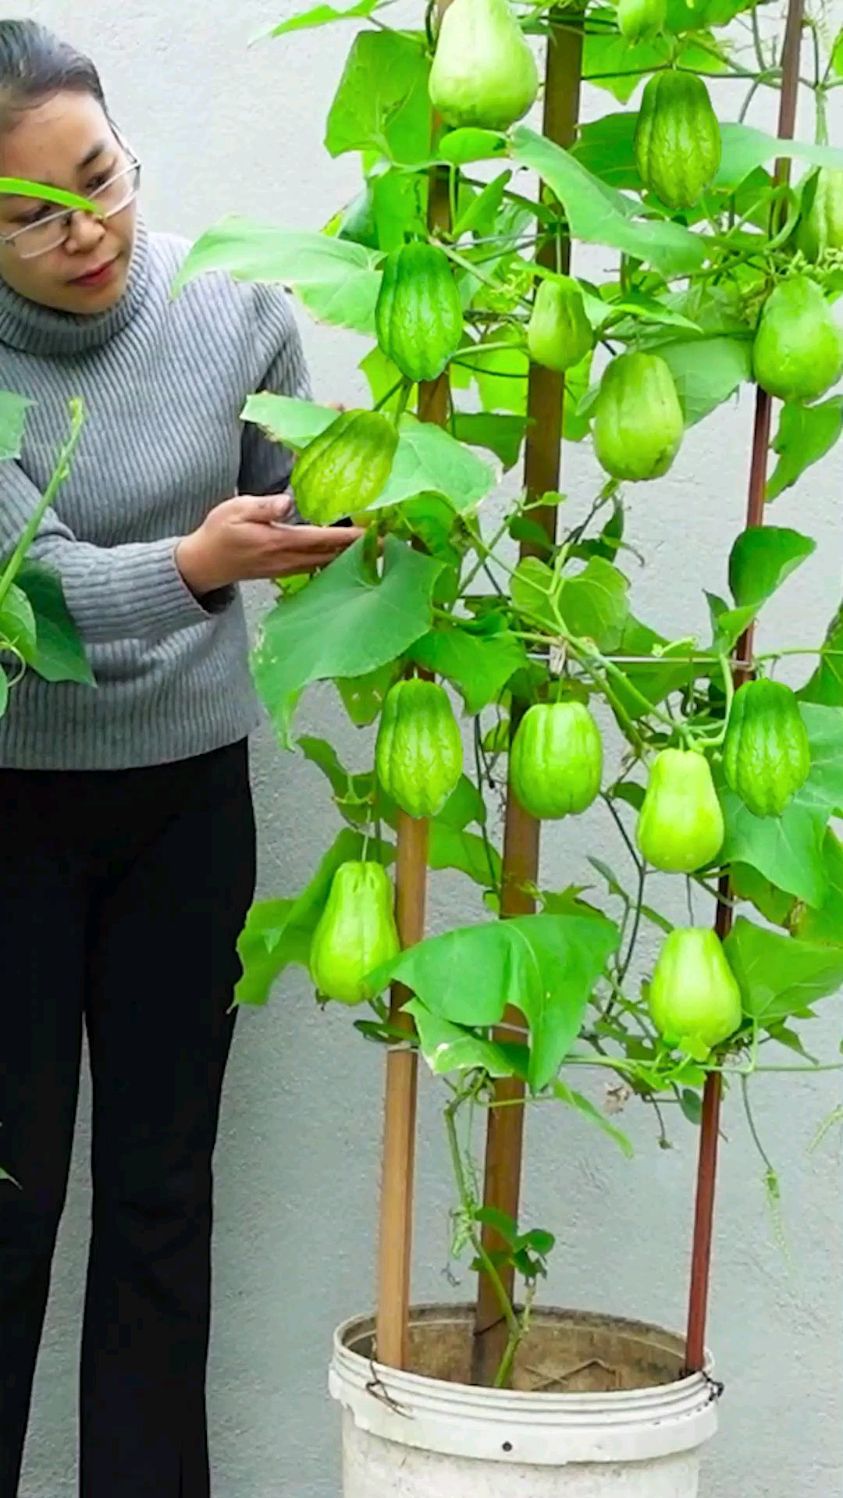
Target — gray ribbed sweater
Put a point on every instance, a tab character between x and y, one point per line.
163	384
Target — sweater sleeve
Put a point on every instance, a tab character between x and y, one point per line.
266	465
133	591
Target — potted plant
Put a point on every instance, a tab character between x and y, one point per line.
492	650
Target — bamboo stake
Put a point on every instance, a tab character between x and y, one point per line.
546	389
713	1092
400	1108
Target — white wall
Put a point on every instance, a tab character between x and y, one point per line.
221	127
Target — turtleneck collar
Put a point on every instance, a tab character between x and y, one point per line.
33	329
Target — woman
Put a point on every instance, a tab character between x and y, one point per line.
128	838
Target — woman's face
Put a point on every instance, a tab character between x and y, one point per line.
66	142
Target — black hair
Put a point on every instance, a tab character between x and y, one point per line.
35	64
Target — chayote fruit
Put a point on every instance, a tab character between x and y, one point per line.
418	753
677	138
556	760
345	468
820	226
559	334
638	423
483	73
694	995
418	315
355	934
680	826
766	755
798	349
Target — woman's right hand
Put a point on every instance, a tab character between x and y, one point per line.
245	538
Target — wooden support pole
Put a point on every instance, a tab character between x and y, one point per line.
400	1107
546	389
712	1095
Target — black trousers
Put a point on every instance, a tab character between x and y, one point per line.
122	895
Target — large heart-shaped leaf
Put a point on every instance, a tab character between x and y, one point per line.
382	102
544	965
745	148
826	683
335	279
780	975
348	621
478	665
805	434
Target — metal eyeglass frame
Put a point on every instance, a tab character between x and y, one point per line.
67	215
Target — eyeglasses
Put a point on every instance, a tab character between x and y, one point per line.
54	229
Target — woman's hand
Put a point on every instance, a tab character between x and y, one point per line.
245	538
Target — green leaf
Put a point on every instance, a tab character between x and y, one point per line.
4	692
354	794
286	419
399	205
21	187
780	975
772	903
382	103
478	665
323	15
448	1048
575	424
459	147
823	790
762	558
573	1099
17	623
464	805
334	278
611	62
384	379
805	434
605	149
745	148
465	852
429	460
691	1105
59	651
825	923
480	213
544	965
13	409
598	214
363	696
347	622
279	932
535	590
695	15
837	55
594	604
653	681
826	684
787	850
499	373
502	435
707	371
727	625
639	305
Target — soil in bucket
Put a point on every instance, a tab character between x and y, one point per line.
565	1352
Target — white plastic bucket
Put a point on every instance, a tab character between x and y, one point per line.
410	1435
